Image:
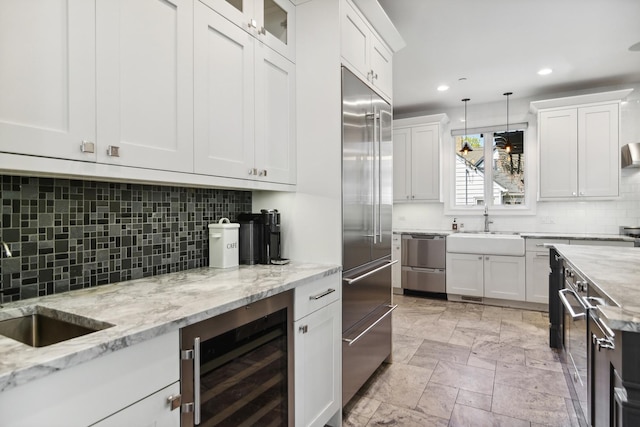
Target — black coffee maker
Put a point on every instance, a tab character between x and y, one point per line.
260	238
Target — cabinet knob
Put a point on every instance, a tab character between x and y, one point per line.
582	193
487	258
174	401
480	258
252	24
88	147
573	194
262	172
262	31
113	151
253	171
304	329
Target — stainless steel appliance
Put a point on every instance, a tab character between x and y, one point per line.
259	238
237	368
366	209
423	262
573	297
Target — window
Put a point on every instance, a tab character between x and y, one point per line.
493	172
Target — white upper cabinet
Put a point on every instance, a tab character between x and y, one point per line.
579	145
224	96
145	83
417	158
244	104
364	53
270	21
275	137
579	152
47	106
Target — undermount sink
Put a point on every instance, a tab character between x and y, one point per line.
486	243
39	326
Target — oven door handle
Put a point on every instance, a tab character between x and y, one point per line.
574	316
369	273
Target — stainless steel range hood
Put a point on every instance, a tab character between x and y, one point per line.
630	155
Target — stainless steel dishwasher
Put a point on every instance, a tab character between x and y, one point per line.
423	262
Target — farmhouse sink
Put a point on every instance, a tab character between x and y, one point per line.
489	243
40	326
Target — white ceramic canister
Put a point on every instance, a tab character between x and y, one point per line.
223	244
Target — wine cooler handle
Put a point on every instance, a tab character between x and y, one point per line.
196	380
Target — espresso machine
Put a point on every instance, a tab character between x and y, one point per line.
260	238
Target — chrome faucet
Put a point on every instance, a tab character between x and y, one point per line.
7	252
486	219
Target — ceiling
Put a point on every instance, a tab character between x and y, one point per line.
499	45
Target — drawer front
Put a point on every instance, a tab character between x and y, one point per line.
423	252
423	279
537	245
315	295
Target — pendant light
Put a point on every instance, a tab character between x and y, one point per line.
507	144
466	148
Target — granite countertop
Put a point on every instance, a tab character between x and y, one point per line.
615	272
142	309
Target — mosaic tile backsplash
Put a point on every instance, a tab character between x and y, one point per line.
71	234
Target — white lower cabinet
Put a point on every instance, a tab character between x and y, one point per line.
151	411
465	274
490	276
318	352
504	277
130	384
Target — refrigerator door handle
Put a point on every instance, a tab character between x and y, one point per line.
369	273
352	341
374	178
379	177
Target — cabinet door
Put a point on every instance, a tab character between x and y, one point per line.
47	77
558	153
465	274
598	151
241	12
402	164
317	366
145	83
425	152
504	277
224	96
277	21
150	411
537	277
382	67
355	40
275	103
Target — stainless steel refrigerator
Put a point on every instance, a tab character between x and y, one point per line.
367	197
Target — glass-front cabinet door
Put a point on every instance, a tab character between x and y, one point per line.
270	21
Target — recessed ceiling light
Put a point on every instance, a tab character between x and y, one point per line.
442	88
545	71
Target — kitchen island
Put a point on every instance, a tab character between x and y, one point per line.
594	311
141	311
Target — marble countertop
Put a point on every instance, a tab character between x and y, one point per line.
615	271
143	309
525	234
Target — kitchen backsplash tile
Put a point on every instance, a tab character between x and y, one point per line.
72	234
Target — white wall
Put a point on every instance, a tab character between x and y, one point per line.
312	217
574	217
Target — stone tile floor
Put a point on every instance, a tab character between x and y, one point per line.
461	364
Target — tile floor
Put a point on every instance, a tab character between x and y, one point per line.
461	364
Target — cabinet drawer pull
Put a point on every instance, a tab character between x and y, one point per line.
88	147
363	333
324	294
